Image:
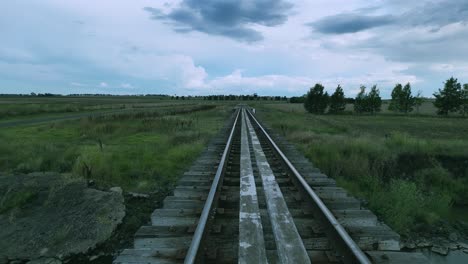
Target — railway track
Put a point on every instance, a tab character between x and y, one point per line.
253	198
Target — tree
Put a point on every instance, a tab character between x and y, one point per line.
402	100
418	100
337	101
464	102
448	99
297	99
396	95
360	101
316	100
407	99
368	103
374	102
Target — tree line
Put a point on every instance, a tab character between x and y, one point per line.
451	98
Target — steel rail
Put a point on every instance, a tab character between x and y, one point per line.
193	250
346	245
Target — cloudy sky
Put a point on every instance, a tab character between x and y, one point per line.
271	47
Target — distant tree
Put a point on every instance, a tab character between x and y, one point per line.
396	97
297	99
464	100
402	100
448	99
360	103
418	100
316	100
374	100
407	99
337	101
368	102
349	100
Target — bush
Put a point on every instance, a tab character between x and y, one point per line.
400	205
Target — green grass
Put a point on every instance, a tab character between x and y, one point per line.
427	108
15	107
409	168
139	151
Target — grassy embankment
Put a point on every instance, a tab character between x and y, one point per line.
410	169
139	151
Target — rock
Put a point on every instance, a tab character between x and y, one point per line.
441	250
116	189
409	245
139	195
45	261
424	244
463	245
43	251
91	183
465	251
453	246
453	236
57	216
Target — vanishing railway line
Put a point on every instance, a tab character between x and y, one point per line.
252	198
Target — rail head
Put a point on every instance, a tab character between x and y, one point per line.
200	231
349	248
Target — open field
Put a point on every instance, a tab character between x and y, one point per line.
19	107
139	150
410	169
426	108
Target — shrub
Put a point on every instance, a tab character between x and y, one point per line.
400	205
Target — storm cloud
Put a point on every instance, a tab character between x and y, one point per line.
230	18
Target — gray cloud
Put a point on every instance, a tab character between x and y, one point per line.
437	14
350	23
431	32
225	18
432	14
